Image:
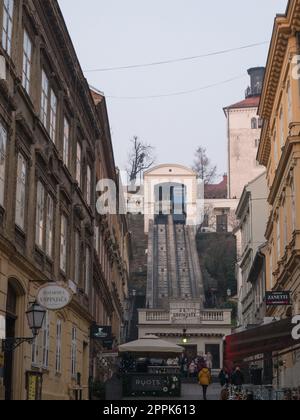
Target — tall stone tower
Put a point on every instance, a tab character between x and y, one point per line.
244	128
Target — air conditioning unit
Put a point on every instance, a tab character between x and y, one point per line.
2	68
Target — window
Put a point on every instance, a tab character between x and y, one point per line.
89	185
77	258
45	333
78	164
257	141
74	352
49	226
58	346
278	239
44	99
7	25
40	211
222	223
3	146
66	144
260	123
53	116
63	243
281	126
21	191
87	271
254	123
27	56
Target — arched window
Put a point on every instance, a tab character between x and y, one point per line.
254	124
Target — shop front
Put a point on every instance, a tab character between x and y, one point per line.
264	353
150	368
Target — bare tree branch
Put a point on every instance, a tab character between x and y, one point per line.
202	165
140	159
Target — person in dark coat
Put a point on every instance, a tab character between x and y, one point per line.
223	378
238	379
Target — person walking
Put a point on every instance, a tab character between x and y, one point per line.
237	378
223	378
205	380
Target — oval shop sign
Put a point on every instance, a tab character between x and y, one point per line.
53	297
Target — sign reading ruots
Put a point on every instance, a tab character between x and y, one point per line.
278	298
53	297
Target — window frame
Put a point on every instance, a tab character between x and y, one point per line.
3	156
21	225
7	26
27	60
63	253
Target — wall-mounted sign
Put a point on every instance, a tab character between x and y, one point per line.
278	298
53	297
102	334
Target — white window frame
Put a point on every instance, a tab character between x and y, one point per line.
45	335
74	352
66	142
3	157
49	225
21	191
87	282
44	99
53	116
79	164
58	346
278	228
63	243
27	61
77	258
40	215
7	27
89	185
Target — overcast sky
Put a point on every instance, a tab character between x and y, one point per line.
108	33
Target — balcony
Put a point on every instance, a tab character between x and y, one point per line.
205	317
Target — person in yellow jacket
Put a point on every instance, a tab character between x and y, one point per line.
205	380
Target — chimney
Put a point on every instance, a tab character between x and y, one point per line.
256	81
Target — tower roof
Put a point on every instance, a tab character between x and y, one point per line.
251	102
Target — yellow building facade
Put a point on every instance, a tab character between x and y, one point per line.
279	152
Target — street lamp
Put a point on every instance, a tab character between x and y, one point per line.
35	318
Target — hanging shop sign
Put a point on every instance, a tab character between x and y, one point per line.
102	334
278	298
54	297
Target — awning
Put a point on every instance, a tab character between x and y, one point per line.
150	344
270	338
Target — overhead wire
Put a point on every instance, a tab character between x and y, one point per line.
176	60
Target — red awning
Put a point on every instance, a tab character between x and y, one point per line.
270	338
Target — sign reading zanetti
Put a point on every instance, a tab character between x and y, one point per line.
54	297
278	298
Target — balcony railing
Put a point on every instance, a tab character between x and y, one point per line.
157	316
203	317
